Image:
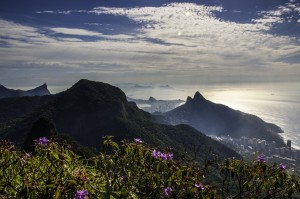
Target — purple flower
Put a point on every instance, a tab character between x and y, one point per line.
43	141
169	156
168	191
166	156
80	194
282	167
156	154
138	140
260	159
199	186
163	156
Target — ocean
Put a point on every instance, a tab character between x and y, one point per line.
277	103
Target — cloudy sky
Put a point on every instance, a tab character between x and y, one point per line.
149	41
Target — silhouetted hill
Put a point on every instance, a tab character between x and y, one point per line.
38	91
219	119
90	110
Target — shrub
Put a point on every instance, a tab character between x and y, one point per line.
131	170
256	180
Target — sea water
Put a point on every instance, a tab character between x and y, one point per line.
277	103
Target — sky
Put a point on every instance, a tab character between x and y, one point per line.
149	41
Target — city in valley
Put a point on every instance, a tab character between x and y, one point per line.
250	148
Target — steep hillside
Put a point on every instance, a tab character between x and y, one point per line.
219	119
11	108
89	110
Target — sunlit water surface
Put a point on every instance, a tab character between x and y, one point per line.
275	103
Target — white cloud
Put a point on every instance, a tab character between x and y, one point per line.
16	31
54	12
206	47
70	39
269	18
75	31
204	36
83	32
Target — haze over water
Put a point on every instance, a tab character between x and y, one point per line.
277	103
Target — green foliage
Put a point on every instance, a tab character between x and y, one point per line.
45	174
130	170
133	172
256	180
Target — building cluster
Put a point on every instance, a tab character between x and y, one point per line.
249	146
268	149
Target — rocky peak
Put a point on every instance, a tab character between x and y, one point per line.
44	86
189	100
40	90
198	97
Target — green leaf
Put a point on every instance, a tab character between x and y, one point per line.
114	144
57	193
55	155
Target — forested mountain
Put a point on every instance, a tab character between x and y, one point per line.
90	110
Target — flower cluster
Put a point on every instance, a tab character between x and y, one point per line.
260	159
43	141
81	194
282	167
168	191
199	186
164	156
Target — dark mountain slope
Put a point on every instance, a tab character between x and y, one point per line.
89	110
38	91
219	119
11	108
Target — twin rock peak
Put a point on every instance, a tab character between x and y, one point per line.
198	98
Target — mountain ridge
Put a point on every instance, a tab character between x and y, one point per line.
38	91
90	110
218	119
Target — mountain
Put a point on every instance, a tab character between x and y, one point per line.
38	91
90	110
219	119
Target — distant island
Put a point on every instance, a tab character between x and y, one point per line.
155	106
